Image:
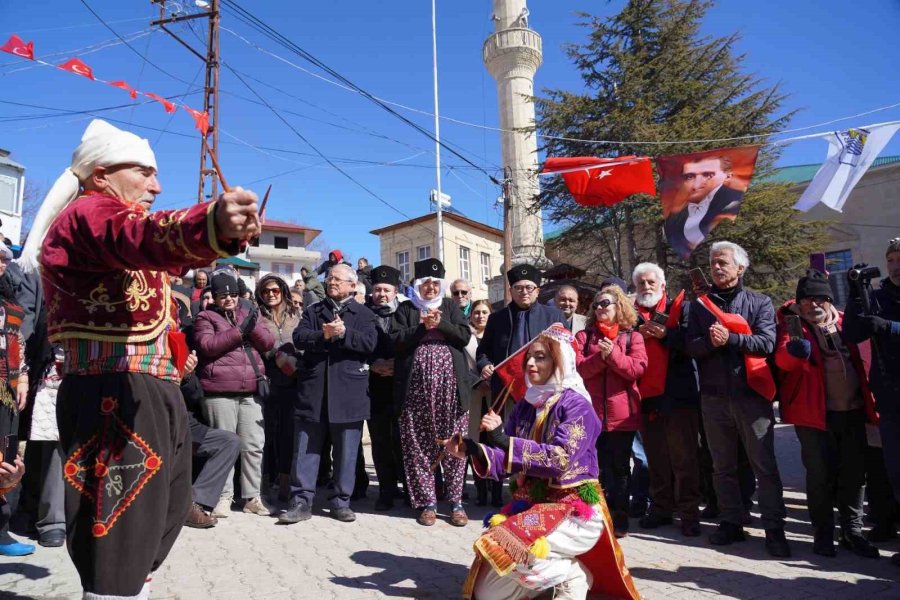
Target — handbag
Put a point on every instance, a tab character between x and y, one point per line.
262	382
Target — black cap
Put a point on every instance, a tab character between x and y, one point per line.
224	282
814	284
430	267
613	280
386	274
524	273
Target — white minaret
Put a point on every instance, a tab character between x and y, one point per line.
512	55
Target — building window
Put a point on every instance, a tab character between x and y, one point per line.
838	263
423	252
465	271
403	266
283	268
281	242
485	266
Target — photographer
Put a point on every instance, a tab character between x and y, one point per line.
881	324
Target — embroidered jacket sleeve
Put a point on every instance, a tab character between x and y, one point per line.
570	439
107	234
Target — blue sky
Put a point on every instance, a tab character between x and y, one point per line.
832	58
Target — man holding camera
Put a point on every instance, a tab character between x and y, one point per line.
825	395
875	315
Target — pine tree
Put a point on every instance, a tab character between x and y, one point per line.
650	75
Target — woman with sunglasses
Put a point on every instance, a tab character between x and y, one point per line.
611	359
228	336
279	315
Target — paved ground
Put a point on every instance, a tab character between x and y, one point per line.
383	556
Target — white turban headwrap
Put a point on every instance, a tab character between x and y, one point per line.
102	145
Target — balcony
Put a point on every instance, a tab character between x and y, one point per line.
517	46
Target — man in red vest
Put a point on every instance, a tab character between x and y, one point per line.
731	330
670	403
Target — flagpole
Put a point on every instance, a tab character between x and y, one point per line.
437	136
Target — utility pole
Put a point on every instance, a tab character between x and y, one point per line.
210	141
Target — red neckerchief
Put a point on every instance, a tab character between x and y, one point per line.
610	332
759	376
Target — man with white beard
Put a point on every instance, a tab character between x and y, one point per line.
670	404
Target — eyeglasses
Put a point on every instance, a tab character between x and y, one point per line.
524	289
816	299
602	304
297	304
336	280
457	293
226	295
271	292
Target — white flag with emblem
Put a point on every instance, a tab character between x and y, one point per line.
850	154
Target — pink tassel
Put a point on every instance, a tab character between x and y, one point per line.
582	509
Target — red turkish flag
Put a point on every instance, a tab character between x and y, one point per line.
201	119
512	371
122	85
15	45
604	185
170	106
75	65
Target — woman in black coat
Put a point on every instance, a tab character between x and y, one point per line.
431	384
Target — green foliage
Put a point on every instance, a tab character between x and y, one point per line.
650	75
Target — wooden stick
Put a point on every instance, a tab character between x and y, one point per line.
443	453
262	207
215	162
501	401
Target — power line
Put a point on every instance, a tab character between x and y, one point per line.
256	23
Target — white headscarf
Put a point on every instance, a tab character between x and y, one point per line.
425	305
564	376
102	145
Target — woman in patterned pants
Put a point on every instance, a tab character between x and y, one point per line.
431	386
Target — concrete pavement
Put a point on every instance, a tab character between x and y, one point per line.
390	556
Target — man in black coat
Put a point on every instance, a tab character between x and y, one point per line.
732	404
384	427
509	329
337	337
710	200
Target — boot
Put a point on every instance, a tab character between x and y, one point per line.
726	534
496	494
480	492
776	543
576	586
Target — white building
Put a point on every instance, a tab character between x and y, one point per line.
281	248
12	194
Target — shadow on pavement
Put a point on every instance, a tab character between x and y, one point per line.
430	578
27	570
748	584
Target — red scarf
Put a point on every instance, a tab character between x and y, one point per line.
653	383
759	376
610	332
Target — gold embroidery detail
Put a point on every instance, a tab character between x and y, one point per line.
135	289
537	458
559	458
576	434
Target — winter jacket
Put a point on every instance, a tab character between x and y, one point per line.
885	304
722	370
496	343
613	382
365	277
224	367
801	382
407	332
682	388
336	370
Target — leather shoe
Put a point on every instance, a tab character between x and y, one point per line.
776	543
711	511
196	518
690	527
458	517
655	520
299	512
427	517
620	524
344	514
727	534
859	545
53	538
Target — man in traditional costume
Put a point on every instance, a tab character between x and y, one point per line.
105	263
557	531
